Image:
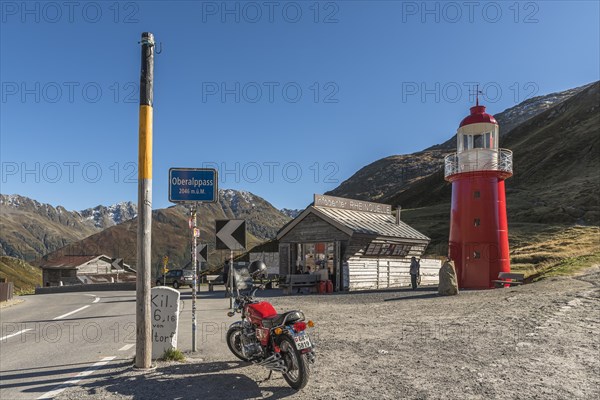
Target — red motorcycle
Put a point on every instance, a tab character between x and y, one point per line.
278	342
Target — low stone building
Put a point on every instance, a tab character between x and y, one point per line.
355	244
81	269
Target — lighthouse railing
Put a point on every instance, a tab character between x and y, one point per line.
478	160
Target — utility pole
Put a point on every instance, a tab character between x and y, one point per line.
231	278
143	344
195	264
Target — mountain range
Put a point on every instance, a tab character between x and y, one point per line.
383	179
555	162
171	235
554	139
29	229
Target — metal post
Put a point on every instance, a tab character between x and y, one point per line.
195	264
231	283
143	348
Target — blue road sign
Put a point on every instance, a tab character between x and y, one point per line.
193	185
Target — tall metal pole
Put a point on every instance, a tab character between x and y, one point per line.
195	264
143	348
231	278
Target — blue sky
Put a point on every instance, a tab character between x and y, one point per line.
291	98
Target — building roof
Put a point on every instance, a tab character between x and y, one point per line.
73	261
359	222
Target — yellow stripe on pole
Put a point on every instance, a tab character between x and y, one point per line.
145	150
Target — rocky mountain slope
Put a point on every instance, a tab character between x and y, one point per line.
24	276
383	179
30	229
171	235
555	183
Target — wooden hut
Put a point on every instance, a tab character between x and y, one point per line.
356	244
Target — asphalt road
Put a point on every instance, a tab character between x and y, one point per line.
49	342
50	339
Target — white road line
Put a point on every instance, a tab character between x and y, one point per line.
97	299
14	334
70	313
76	379
127	347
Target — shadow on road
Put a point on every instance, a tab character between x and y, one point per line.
211	380
49	378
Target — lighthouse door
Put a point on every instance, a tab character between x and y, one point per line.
476	272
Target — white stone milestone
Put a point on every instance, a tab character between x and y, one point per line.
165	319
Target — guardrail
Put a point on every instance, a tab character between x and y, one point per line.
479	160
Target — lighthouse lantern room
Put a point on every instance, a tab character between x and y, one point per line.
478	227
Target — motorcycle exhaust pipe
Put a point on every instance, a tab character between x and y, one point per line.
274	363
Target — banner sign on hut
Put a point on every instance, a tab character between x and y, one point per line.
350	204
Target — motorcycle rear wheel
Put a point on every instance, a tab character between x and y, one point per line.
234	342
297	363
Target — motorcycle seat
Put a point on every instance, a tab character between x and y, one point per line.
276	320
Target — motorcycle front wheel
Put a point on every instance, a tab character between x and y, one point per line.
297	364
234	342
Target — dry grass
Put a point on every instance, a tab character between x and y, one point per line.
173	355
555	251
25	277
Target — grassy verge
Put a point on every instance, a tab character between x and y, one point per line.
173	355
569	266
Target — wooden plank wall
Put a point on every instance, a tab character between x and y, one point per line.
383	273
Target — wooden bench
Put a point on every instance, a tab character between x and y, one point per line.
289	282
508	279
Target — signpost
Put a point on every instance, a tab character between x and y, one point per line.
192	186
231	235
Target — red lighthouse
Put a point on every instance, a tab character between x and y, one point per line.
478	227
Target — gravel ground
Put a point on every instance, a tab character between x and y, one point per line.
538	341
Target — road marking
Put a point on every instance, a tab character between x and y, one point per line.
97	299
70	313
76	379
14	334
127	347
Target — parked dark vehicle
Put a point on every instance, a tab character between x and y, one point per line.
278	342
177	278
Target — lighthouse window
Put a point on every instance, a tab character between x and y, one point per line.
476	254
476	194
465	143
478	142
477	222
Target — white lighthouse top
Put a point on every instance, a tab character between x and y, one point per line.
477	147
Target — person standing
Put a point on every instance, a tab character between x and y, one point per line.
228	290
415	271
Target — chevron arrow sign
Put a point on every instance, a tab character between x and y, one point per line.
202	252
231	234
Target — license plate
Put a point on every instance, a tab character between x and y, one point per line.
302	341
